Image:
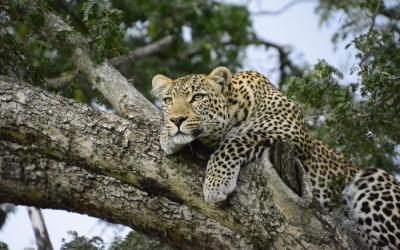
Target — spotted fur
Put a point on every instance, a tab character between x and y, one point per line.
373	198
240	115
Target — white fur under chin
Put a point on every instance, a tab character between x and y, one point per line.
183	139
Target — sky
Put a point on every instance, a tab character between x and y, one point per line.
297	27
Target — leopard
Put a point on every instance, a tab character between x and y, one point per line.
241	115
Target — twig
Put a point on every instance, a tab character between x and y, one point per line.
391	76
281	10
375	14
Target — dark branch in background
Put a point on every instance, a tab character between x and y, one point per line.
147	50
375	14
286	67
67	77
281	10
392	13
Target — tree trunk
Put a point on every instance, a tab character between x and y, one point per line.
39	229
57	153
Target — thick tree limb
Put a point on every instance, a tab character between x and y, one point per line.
29	178
127	153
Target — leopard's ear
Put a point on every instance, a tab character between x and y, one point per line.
221	75
159	84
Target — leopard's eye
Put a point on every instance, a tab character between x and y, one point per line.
167	100
197	97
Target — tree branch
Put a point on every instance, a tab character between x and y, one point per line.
29	178
62	81
147	50
39	228
281	10
286	67
124	98
391	12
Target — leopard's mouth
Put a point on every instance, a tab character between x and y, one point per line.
182	138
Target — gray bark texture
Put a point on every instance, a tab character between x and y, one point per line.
57	153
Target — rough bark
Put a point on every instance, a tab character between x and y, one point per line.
61	154
29	178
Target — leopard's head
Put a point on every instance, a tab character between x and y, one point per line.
194	106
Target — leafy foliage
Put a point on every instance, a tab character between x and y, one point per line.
22	51
133	241
137	241
361	118
104	33
82	243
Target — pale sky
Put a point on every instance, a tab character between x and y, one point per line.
298	27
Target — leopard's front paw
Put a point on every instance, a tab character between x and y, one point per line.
217	189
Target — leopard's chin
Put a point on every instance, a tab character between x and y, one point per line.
183	139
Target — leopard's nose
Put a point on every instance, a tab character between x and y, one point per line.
178	120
